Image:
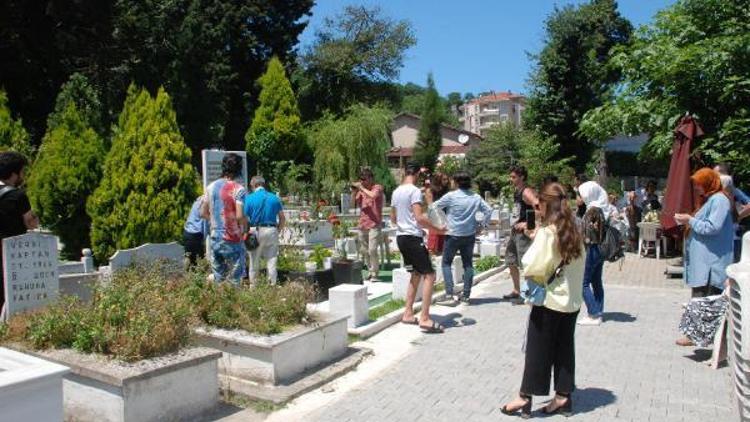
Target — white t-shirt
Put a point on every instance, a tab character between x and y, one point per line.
403	198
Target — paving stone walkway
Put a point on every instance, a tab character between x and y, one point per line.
628	369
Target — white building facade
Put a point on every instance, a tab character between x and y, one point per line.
481	113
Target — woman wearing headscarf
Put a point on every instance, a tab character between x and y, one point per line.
594	221
708	251
708	245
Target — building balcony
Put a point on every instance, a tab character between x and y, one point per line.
489	112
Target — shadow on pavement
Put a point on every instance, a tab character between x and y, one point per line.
450	320
485	300
587	400
617	317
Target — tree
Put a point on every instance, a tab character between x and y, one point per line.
354	58
79	91
13	135
413	101
148	184
343	145
66	172
571	77
276	131
693	58
207	53
506	145
429	138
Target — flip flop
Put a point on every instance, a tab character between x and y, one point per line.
435	328
414	321
510	296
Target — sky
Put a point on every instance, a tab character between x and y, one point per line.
473	45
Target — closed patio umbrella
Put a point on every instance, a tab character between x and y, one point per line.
679	197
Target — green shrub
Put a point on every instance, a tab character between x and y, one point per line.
66	173
148	183
319	254
13	136
485	263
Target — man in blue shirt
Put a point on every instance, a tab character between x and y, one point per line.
194	233
461	207
265	216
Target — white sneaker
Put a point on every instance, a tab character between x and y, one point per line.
448	301
587	320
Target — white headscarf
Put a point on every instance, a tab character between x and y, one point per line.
593	195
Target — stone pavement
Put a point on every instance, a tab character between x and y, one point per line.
628	369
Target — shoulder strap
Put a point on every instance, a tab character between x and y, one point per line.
556	273
6	189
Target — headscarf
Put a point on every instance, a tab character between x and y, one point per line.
593	195
709	180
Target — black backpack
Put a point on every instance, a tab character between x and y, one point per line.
612	246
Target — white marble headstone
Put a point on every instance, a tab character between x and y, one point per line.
173	253
30	274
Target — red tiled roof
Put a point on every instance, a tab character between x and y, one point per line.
498	96
408	152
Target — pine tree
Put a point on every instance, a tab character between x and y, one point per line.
66	172
429	139
13	136
148	184
276	132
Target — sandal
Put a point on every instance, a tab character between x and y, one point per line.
435	328
414	321
512	295
525	409
566	409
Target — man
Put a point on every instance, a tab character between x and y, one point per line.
265	216
740	197
194	233
407	215
524	200
461	207
368	196
223	209
16	216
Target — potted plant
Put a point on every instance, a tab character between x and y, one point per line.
291	267
345	270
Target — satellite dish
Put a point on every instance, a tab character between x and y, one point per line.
463	138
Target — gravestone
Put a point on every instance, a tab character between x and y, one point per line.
212	165
30	275
172	253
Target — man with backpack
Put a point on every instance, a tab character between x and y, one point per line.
16	216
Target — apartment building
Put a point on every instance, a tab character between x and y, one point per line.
483	112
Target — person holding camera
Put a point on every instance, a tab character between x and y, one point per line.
368	197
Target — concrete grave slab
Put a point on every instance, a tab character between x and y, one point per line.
31	389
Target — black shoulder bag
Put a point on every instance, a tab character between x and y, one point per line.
251	237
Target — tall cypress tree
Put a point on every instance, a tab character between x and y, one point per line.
276	132
148	184
66	172
429	139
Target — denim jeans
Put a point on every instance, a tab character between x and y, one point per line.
464	245
593	290
228	260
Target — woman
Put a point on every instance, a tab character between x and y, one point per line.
594	222
439	185
550	336
709	241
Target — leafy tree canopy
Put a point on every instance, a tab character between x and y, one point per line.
355	57
79	91
429	137
570	76
693	59
343	145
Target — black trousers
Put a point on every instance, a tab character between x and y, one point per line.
194	246
550	345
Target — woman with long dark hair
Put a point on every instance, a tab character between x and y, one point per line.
555	260
440	184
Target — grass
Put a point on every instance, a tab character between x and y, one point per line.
385	308
260	406
353	338
486	263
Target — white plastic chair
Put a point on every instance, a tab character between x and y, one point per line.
650	233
